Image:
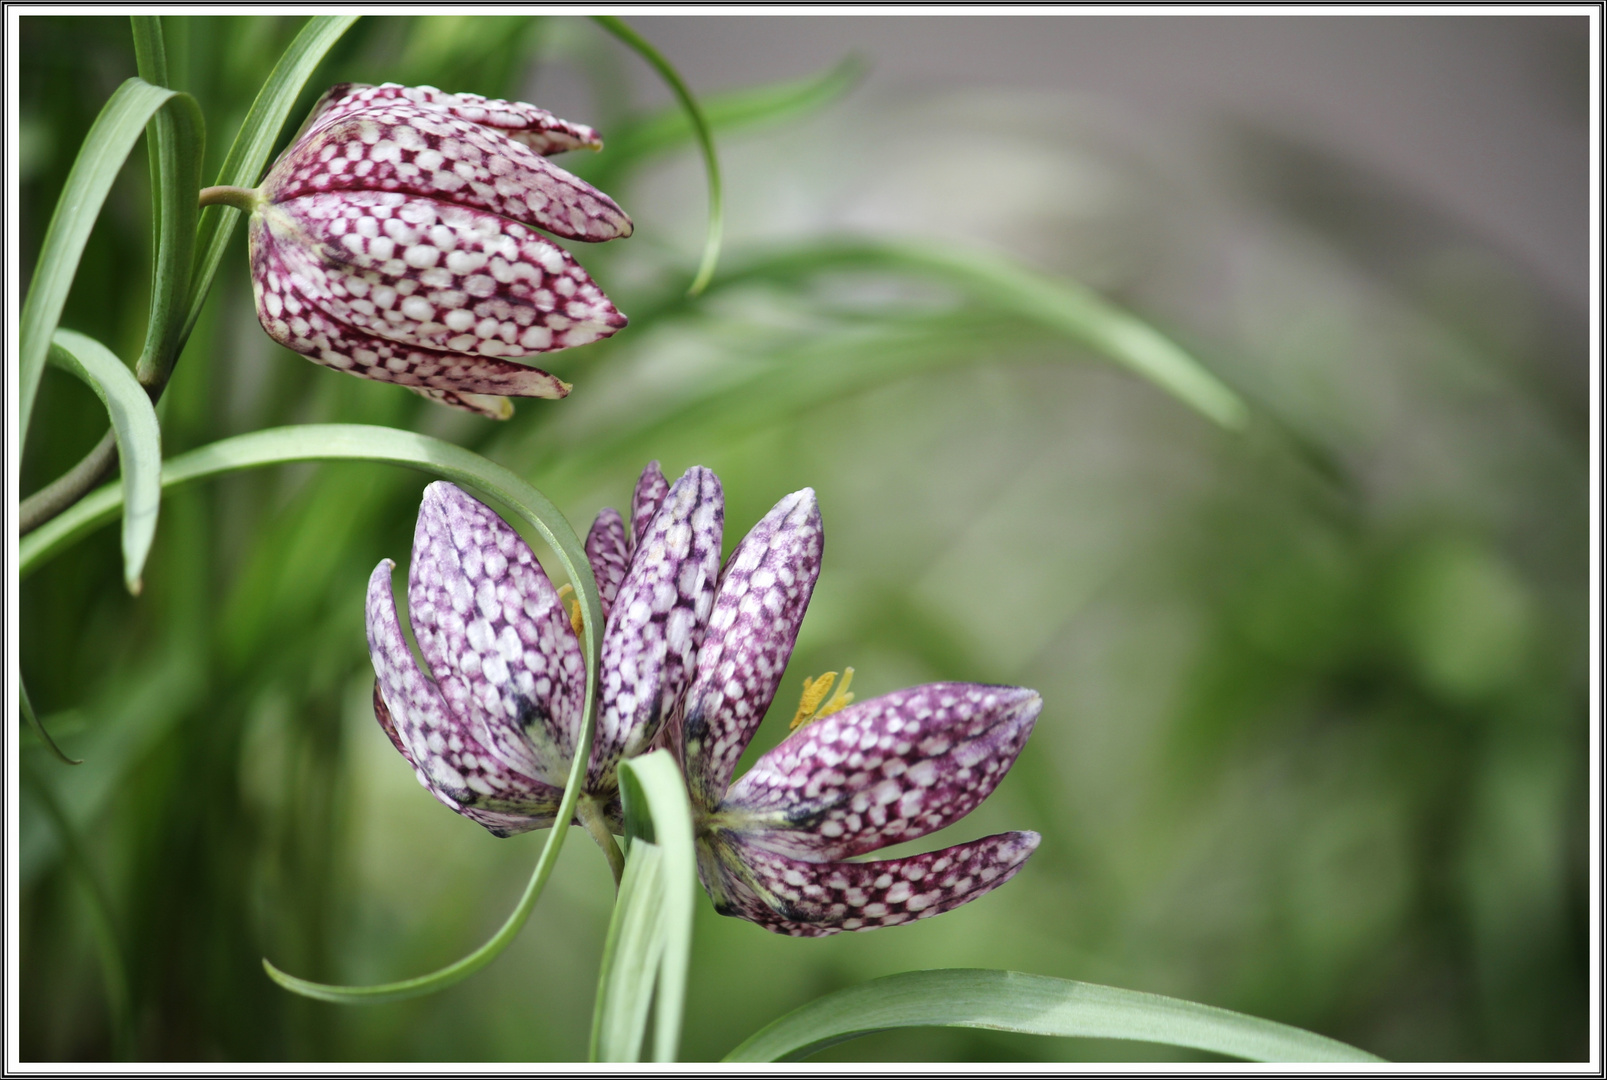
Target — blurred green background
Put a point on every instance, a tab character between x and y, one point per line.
1314	736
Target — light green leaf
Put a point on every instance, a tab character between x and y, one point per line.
705	138
1055	303
360	442
177	144
771	103
139	439
100	158
32	718
249	153
650	937
1032	1005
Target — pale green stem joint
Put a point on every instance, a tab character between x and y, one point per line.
590	813
247	199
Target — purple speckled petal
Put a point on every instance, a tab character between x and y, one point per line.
648	497
606	551
398	146
495	634
813	899
488	405
882	771
758	608
536	128
444	750
299	324
657	623
434	275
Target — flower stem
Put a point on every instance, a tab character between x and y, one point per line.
247	199
590	813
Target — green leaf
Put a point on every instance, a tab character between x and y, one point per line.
361	442
177	144
1031	1005
100	158
705	138
33	721
650	937
139	439
1064	306
771	103
255	140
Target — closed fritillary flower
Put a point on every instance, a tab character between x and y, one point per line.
396	239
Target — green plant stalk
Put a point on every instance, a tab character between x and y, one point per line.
700	124
591	817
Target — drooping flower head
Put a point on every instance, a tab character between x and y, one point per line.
692	656
396	240
491	728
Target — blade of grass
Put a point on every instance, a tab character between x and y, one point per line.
700	124
639	141
1032	1005
25	704
1060	305
105	149
139	439
650	936
177	145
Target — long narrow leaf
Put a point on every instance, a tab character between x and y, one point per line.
705	137
359	442
102	155
1032	1005
1058	304
139	439
25	704
650	937
639	141
249	153
177	144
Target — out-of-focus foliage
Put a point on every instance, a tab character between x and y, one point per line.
1313	744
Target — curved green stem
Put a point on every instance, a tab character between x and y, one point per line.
705	137
591	816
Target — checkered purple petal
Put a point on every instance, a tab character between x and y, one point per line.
395	145
814	899
882	771
495	634
658	618
651	488
437	276
758	608
606	551
536	128
443	746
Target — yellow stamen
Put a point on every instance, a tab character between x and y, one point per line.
577	621
815	690
841	699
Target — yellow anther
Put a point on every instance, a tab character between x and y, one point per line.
841	699
577	621
815	690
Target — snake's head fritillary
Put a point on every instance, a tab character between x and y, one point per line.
397	239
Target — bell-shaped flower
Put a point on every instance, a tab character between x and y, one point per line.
396	239
776	847
491	728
